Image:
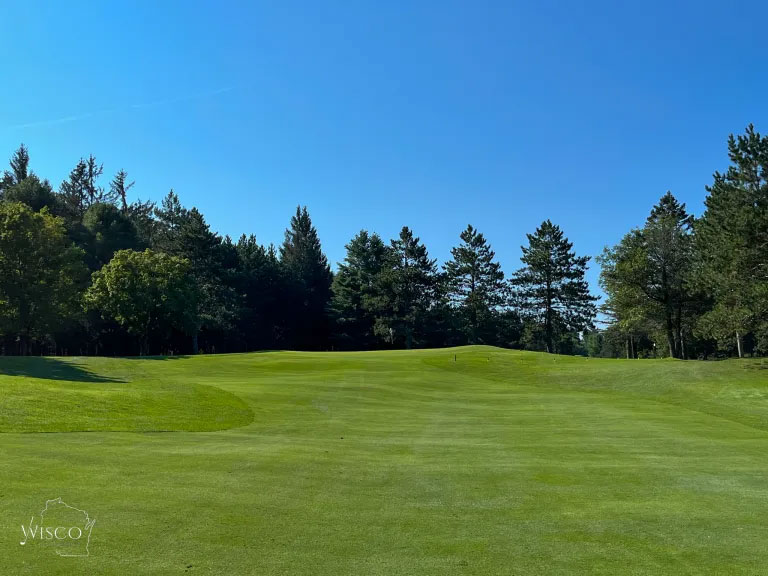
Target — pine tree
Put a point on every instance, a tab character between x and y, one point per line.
475	285
550	289
406	291
211	266
647	279
354	291
667	235
108	230
119	189
186	234
34	193
309	283
260	281
732	244
81	190
169	217
19	170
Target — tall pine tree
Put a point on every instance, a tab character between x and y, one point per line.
475	286
550	289
732	244
354	291
19	170
309	284
406	292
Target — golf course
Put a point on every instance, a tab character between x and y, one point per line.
471	460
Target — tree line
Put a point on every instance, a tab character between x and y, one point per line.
85	270
686	287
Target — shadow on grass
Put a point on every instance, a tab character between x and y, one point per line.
153	357
49	368
187	356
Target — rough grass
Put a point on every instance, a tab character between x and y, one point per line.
390	463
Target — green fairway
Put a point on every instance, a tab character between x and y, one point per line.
459	461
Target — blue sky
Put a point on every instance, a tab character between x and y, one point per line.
383	114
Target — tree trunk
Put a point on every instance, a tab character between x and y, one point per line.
194	343
682	346
627	347
671	343
408	337
670	334
738	343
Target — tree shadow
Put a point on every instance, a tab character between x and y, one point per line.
175	357
48	368
188	356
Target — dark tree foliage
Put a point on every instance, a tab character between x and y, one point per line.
34	193
551	290
108	230
353	304
41	276
82	189
406	292
119	188
476	287
19	170
261	285
308	284
185	234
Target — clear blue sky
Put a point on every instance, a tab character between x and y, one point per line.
383	114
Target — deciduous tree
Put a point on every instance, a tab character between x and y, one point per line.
41	274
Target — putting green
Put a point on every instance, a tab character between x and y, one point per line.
462	461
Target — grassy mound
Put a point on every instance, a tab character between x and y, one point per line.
65	395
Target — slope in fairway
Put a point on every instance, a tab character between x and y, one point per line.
500	462
63	395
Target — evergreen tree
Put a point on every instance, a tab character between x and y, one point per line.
213	263
354	291
211	266
647	279
308	278
108	230
551	289
627	305
19	170
475	286
732	241
170	216
34	193
81	189
406	292
261	285
141	214
119	189
667	235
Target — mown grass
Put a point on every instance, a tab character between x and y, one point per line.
497	462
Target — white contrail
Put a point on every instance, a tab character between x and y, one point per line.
77	117
184	98
54	121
